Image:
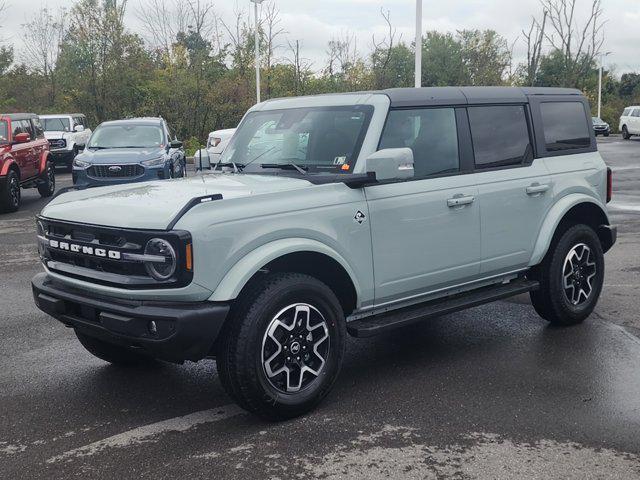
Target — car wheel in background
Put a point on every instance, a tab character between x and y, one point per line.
571	277
10	201
283	346
48	186
625	133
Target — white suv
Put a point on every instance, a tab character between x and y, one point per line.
67	135
630	122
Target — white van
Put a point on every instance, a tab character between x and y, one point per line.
630	122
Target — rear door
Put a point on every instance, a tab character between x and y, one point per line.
24	153
634	121
425	231
514	189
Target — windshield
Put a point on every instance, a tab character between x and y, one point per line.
127	136
58	124
315	138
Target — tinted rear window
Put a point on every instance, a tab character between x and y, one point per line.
500	135
565	126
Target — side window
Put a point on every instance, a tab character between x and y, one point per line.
38	128
16	127
636	113
432	135
565	126
28	127
626	112
500	135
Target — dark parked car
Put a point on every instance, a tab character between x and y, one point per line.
24	159
600	127
127	151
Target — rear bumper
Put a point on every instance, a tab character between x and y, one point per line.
183	331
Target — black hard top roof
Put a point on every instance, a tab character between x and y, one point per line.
19	116
404	97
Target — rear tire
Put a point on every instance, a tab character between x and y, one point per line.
114	354
47	188
571	277
283	346
10	201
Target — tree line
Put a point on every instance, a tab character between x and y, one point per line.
196	69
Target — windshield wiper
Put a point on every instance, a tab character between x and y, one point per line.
285	166
96	147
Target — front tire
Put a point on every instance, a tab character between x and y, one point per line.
10	201
48	187
571	277
113	354
283	346
625	133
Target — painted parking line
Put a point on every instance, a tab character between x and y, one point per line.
151	432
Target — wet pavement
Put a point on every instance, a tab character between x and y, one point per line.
492	392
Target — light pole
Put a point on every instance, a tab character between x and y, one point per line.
418	73
257	42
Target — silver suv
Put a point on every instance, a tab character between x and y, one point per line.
336	214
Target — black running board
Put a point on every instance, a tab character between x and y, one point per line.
381	323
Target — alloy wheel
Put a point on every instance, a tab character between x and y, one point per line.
295	348
578	272
14	191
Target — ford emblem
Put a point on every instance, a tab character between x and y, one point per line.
115	168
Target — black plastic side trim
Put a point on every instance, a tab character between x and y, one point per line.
192	203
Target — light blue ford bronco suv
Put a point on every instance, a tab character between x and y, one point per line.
326	215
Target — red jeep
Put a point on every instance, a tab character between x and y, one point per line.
24	159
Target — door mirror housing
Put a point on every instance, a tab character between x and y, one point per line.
78	128
23	137
202	160
390	164
175	144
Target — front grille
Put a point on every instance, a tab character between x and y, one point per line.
58	143
80	259
115	171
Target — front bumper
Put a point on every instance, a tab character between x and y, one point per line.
602	131
183	331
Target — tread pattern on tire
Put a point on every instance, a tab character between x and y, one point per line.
239	382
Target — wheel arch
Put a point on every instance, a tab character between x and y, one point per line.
572	209
44	158
293	255
9	164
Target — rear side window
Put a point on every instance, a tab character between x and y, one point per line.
38	126
636	113
565	126
500	135
432	135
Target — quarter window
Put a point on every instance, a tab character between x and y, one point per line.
500	135
430	133
565	126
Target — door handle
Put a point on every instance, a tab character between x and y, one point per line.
460	201
536	189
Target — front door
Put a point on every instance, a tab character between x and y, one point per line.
425	231
24	153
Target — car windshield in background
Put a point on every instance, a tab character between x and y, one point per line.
315	138
127	136
4	134
56	124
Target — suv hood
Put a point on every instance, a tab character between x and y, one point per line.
153	205
54	134
121	155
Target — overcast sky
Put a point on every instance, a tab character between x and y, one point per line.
314	22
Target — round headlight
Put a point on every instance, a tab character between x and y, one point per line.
164	266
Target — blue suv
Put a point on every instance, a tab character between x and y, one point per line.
127	151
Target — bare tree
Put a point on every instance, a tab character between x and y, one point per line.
165	19
43	37
579	44
342	52
271	31
382	51
301	66
534	38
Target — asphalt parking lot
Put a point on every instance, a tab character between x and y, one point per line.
491	392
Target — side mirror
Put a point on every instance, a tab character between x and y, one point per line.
175	144
23	137
390	164
78	128
202	160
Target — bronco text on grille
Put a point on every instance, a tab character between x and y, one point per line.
114	257
115	171
58	143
